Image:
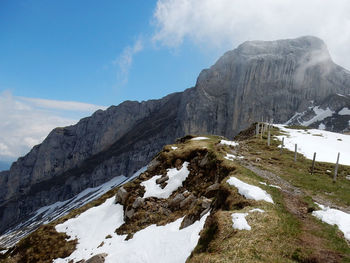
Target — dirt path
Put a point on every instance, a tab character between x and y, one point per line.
293	198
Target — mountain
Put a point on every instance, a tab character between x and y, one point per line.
257	80
209	199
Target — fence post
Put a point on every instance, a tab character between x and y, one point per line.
313	163
295	153
336	169
268	138
257	129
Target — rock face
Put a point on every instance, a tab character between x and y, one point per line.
332	114
270	80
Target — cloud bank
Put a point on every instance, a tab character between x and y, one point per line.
25	122
224	24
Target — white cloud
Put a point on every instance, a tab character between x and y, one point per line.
25	122
125	59
224	24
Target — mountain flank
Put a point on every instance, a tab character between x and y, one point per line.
257	80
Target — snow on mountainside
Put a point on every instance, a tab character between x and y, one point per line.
326	144
331	114
49	213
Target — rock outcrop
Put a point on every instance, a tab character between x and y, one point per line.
270	80
332	114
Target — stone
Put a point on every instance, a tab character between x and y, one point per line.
187	201
129	213
204	161
121	196
99	258
139	201
177	200
162	179
212	190
206	202
204	212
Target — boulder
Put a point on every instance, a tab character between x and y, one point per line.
177	200
129	213
204	161
139	201
121	196
206	202
162	179
99	258
212	190
187	201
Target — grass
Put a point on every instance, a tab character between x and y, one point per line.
299	173
272	238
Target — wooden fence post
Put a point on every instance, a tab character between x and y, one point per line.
313	163
295	153
336	169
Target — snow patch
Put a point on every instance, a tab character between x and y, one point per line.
320	115
325	144
166	243
344	111
271	185
199	138
256	210
232	157
334	217
239	221
250	191
173	147
321	126
176	177
229	143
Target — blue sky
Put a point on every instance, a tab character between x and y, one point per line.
66	50
62	60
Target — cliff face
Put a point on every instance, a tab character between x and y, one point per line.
270	80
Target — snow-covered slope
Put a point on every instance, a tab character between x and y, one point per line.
332	114
49	213
166	243
326	144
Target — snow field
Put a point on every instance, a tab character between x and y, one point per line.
176	178
165	244
325	144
